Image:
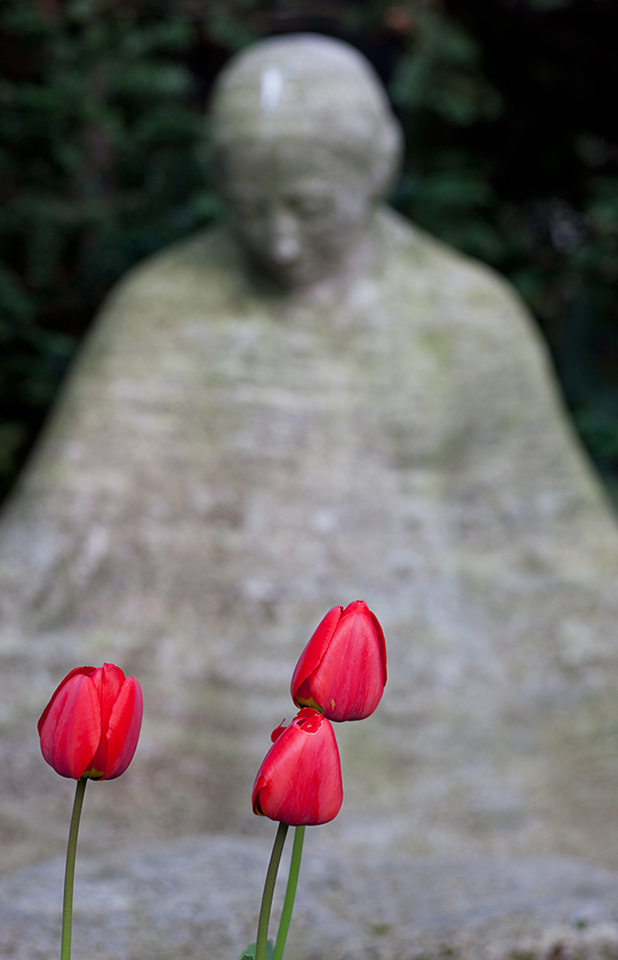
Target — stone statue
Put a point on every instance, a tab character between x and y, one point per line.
312	404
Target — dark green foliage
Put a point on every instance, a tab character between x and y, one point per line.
100	139
512	156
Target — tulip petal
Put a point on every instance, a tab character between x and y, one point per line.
278	730
85	671
299	781
91	710
70	727
124	728
258	786
311	657
342	670
350	683
381	644
109	680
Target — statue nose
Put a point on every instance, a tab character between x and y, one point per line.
283	240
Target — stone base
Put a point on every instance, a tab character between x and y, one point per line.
198	897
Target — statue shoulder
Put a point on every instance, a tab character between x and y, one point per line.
504	398
447	269
475	317
199	264
468	298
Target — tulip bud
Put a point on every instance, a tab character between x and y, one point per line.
299	781
342	670
91	725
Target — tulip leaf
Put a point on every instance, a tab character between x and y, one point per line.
249	952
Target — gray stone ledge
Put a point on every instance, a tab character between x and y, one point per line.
199	897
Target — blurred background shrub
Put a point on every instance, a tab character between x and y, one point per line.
512	156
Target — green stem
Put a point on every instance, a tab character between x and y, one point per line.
267	896
290	893
69	873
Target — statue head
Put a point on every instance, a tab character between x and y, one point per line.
305	145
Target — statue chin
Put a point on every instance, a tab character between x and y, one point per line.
292	275
305	273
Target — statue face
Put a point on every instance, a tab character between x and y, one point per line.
299	211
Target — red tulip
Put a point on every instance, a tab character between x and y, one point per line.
299	781
91	725
342	670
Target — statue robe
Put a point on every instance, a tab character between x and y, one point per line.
227	462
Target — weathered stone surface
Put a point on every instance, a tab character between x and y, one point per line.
224	466
232	455
198	897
